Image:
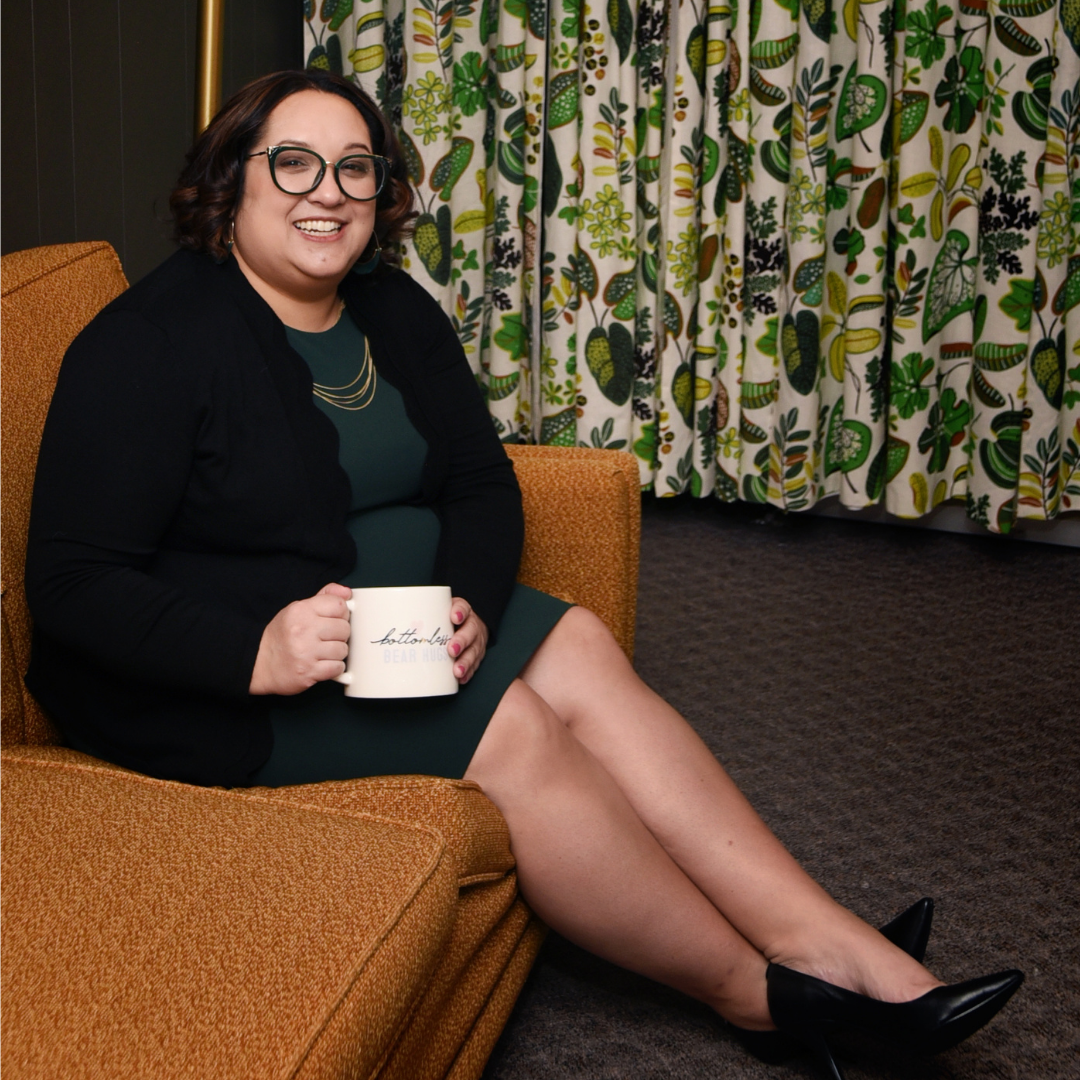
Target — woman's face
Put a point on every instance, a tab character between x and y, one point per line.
301	246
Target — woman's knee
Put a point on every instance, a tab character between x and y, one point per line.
576	660
524	739
580	642
586	631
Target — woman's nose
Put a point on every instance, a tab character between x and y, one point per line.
327	193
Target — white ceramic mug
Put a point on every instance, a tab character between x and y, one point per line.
397	643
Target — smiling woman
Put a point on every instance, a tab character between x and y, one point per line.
294	248
278	415
205	201
264	495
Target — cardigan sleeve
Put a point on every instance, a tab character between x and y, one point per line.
115	461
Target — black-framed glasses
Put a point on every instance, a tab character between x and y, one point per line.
296	171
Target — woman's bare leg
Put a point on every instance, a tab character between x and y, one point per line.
686	800
590	868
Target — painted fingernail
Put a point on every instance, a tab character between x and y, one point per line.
459	670
458	616
455	648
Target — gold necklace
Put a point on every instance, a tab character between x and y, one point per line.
345	397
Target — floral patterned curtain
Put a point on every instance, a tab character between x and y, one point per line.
779	250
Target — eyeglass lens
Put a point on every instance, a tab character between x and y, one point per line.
297	172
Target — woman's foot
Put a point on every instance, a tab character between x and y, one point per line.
850	954
909	931
812	1010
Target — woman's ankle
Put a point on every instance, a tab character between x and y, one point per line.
741	996
857	957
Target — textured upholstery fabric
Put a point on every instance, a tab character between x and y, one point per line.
47	295
477	843
474	1054
582	529
491	924
270	940
464	1001
348	929
477	840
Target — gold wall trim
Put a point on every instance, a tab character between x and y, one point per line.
211	50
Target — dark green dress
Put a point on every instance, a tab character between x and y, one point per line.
324	735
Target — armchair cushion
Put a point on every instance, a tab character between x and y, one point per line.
168	930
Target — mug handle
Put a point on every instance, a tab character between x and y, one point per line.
345	678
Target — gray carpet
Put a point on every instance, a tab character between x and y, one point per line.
903	709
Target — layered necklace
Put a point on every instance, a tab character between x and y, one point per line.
354	395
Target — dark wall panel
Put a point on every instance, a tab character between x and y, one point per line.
158	108
54	103
99	191
98	100
19	162
260	36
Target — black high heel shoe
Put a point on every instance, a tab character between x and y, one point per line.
910	931
810	1010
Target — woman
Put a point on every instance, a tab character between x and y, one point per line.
198	521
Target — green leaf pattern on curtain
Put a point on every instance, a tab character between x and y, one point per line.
779	250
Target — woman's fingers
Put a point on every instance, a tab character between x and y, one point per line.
333	627
469	626
460	610
305	643
469	643
328	669
334	589
466	665
330	605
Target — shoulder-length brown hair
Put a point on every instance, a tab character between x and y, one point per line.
209	189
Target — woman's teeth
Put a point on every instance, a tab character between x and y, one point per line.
318	226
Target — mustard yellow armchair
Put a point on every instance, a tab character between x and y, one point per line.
367	928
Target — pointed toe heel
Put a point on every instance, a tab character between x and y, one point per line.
910	930
811	1010
949	1014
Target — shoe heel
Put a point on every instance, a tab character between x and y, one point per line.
818	1045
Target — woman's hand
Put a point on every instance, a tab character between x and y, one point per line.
304	643
469	643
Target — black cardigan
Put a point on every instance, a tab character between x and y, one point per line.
188	489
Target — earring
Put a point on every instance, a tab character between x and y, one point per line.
369	265
219	259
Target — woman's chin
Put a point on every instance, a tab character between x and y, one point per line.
329	265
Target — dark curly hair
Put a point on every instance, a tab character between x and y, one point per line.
211	184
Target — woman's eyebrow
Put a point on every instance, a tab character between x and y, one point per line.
307	146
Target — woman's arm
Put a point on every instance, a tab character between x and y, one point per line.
116	459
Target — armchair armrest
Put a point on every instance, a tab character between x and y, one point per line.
154	929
